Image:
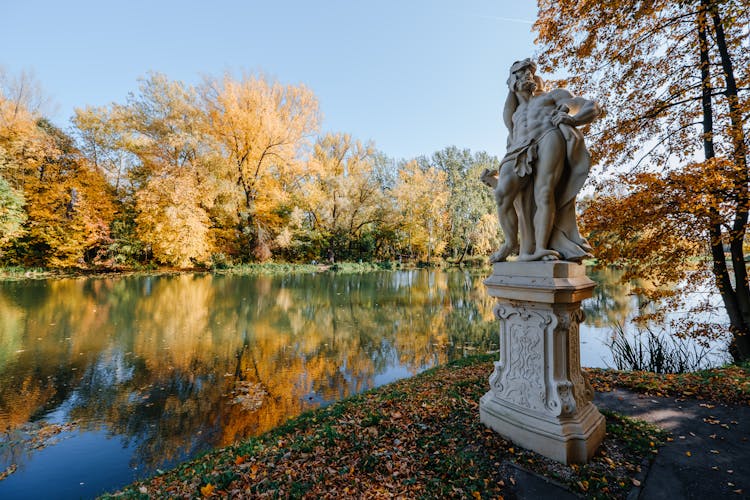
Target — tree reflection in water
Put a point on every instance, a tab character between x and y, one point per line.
175	364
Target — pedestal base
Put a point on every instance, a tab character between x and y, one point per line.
539	398
568	440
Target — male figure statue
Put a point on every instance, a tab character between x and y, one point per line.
543	170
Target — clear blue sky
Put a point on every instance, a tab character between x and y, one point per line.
414	76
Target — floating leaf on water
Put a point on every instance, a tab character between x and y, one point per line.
250	395
7	472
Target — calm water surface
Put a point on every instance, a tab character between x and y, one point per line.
108	380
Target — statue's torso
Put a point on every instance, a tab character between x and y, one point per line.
532	119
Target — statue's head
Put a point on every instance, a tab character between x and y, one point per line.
523	77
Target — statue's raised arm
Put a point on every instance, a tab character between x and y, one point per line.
543	170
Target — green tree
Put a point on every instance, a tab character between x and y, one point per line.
469	199
673	78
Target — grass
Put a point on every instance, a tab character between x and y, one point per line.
418	438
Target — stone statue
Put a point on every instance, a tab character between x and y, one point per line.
543	170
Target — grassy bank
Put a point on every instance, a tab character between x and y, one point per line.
266	268
418	437
728	384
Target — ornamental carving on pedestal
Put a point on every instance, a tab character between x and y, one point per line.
539	397
520	374
525	377
530	335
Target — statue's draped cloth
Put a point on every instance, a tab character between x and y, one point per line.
565	237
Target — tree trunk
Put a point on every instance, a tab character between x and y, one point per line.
736	299
740	348
463	254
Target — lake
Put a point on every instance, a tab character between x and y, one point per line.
106	380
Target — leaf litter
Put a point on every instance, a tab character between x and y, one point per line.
32	436
729	384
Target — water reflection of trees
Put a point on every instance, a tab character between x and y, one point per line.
612	301
615	303
159	360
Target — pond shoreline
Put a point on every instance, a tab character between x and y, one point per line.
267	268
175	364
157	369
417	436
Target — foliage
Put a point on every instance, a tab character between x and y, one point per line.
175	174
342	198
259	129
673	79
12	215
421	196
472	222
68	202
416	437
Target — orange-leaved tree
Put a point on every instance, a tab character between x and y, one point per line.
673	78
55	206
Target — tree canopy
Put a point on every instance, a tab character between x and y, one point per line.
673	79
231	170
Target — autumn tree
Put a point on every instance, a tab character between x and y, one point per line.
673	78
422	196
168	187
12	215
68	206
102	137
260	128
342	196
469	200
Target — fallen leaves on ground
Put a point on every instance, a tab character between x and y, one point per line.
419	437
729	384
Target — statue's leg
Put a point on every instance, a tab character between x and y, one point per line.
525	209
549	168
508	186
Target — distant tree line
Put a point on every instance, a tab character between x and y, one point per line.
229	171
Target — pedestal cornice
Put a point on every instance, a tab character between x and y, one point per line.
555	282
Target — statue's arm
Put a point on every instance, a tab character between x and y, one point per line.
574	111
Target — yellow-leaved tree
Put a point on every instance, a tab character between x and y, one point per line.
171	222
154	152
260	129
342	196
421	196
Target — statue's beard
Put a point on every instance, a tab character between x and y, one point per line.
526	85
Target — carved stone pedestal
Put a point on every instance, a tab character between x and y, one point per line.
538	397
